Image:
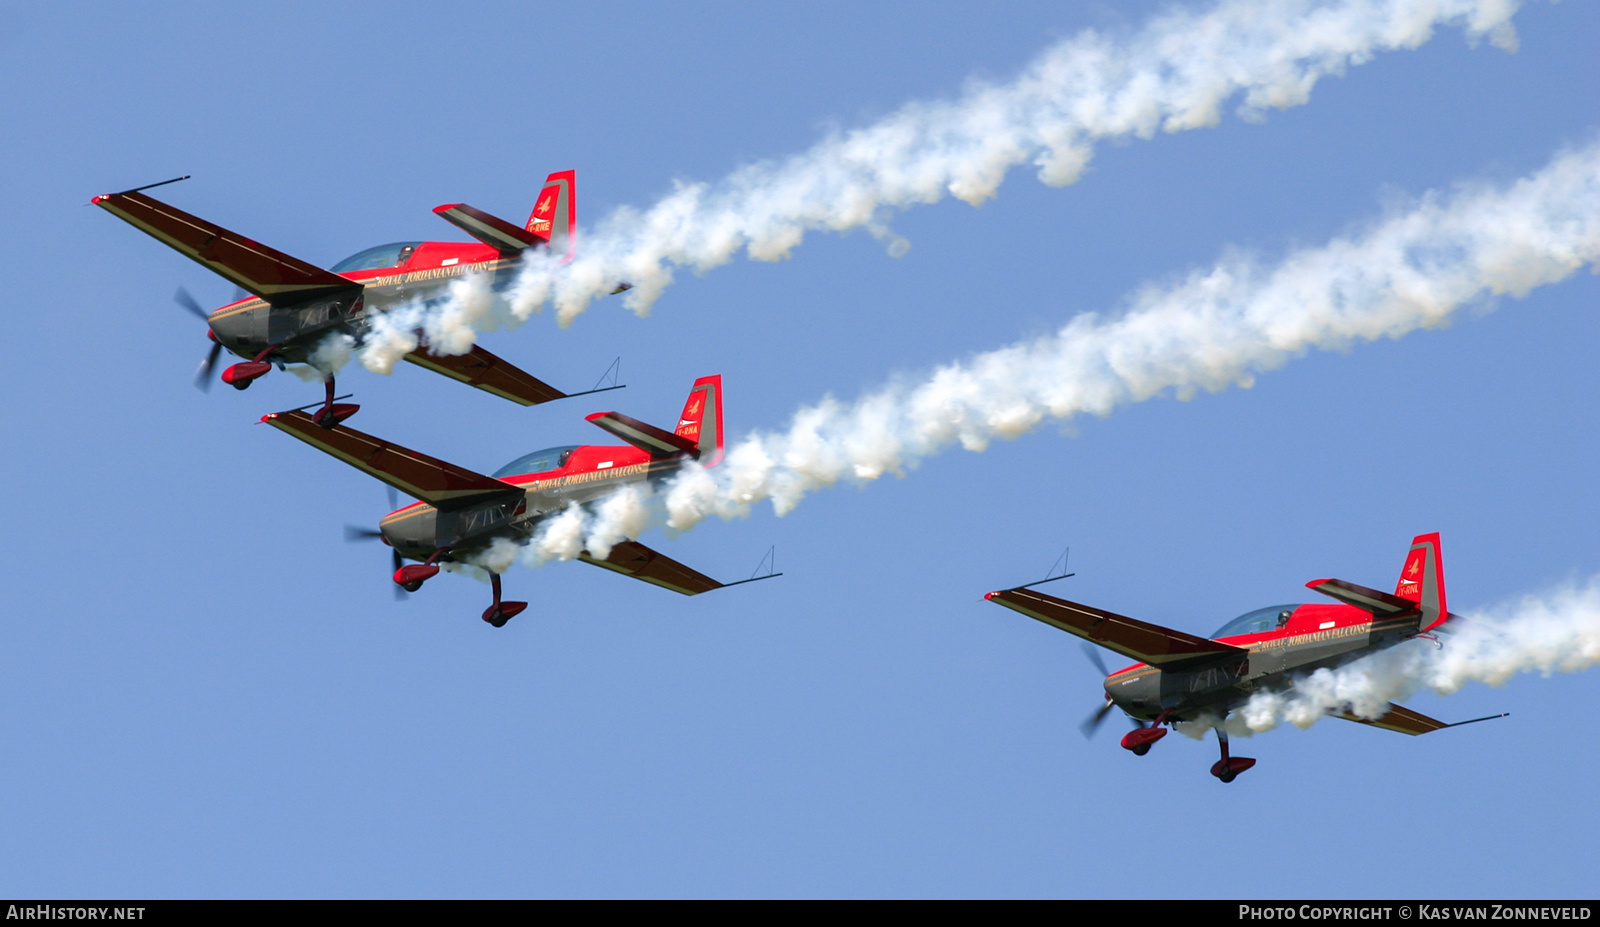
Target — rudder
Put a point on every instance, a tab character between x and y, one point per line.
701	420
555	213
1422	580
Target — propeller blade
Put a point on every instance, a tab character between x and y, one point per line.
1093	653
188	302
202	377
1092	723
394	498
354	533
400	595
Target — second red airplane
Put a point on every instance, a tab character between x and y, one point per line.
462	513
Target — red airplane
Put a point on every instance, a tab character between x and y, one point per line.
1181	677
462	512
296	305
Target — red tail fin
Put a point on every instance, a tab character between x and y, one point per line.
1422	579
701	420
555	213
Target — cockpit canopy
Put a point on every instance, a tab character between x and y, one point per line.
551	458
1259	621
391	255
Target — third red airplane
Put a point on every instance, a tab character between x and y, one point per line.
1183	677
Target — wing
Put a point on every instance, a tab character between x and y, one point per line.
491	230
1379	604
433	481
489	373
1399	719
631	558
1145	642
268	273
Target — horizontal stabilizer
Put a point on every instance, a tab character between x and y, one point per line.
491	230
433	481
631	558
1140	640
645	437
489	373
268	273
1379	604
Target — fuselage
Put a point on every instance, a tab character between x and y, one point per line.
582	473
293	330
1312	637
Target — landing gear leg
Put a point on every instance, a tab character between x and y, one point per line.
1228	768
501	612
331	413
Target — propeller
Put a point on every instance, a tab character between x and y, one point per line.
356	533
202	377
1092	723
1093	653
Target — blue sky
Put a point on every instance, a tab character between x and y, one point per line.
207	693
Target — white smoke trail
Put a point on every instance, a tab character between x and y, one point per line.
448	323
1216	328
1175	73
1557	632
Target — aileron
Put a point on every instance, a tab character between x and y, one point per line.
429	479
1140	640
1402	720
489	373
266	272
631	558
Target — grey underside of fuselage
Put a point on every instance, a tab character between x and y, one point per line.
469	529
299	328
1218	685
